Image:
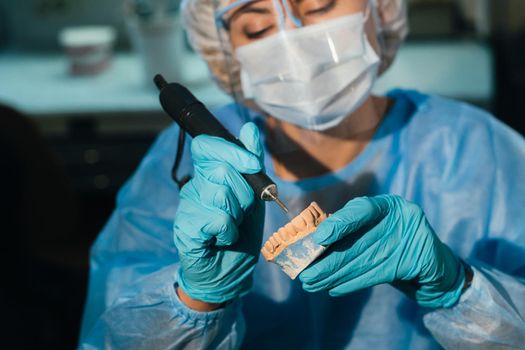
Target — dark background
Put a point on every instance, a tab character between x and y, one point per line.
59	187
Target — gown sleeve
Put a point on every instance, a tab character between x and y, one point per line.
132	303
487	166
489	315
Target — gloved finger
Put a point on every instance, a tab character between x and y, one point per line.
220	196
210	228
223	174
251	139
222	226
196	227
330	270
349	259
373	277
356	214
205	148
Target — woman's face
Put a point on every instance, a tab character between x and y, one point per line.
260	19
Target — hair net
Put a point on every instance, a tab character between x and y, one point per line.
199	21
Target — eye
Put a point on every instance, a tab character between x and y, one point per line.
257	34
320	10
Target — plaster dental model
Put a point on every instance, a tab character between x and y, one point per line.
292	247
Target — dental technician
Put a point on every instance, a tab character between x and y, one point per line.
427	195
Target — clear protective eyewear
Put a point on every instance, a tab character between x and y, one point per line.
260	18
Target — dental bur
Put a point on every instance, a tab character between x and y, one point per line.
195	119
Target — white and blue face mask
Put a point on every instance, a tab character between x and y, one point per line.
313	75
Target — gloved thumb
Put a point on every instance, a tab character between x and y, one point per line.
354	216
251	139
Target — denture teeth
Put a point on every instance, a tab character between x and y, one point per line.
300	226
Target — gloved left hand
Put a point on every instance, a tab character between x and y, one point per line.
385	239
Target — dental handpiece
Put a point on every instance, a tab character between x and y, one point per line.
194	118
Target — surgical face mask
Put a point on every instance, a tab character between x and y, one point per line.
314	76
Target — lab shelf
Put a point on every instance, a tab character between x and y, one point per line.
40	86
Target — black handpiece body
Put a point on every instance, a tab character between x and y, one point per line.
193	117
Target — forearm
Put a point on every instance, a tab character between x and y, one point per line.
489	315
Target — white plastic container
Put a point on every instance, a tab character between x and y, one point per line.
88	48
160	45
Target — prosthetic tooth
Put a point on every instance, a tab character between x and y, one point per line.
289	229
308	216
315	209
283	234
298	223
274	242
317	212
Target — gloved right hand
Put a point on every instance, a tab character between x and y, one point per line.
219	223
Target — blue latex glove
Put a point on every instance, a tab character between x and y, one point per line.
385	239
219	223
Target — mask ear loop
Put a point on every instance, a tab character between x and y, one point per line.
372	11
279	9
296	21
222	26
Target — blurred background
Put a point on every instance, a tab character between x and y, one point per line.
78	111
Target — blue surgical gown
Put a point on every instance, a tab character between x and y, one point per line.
462	166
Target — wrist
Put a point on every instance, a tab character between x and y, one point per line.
469	275
197	305
443	287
